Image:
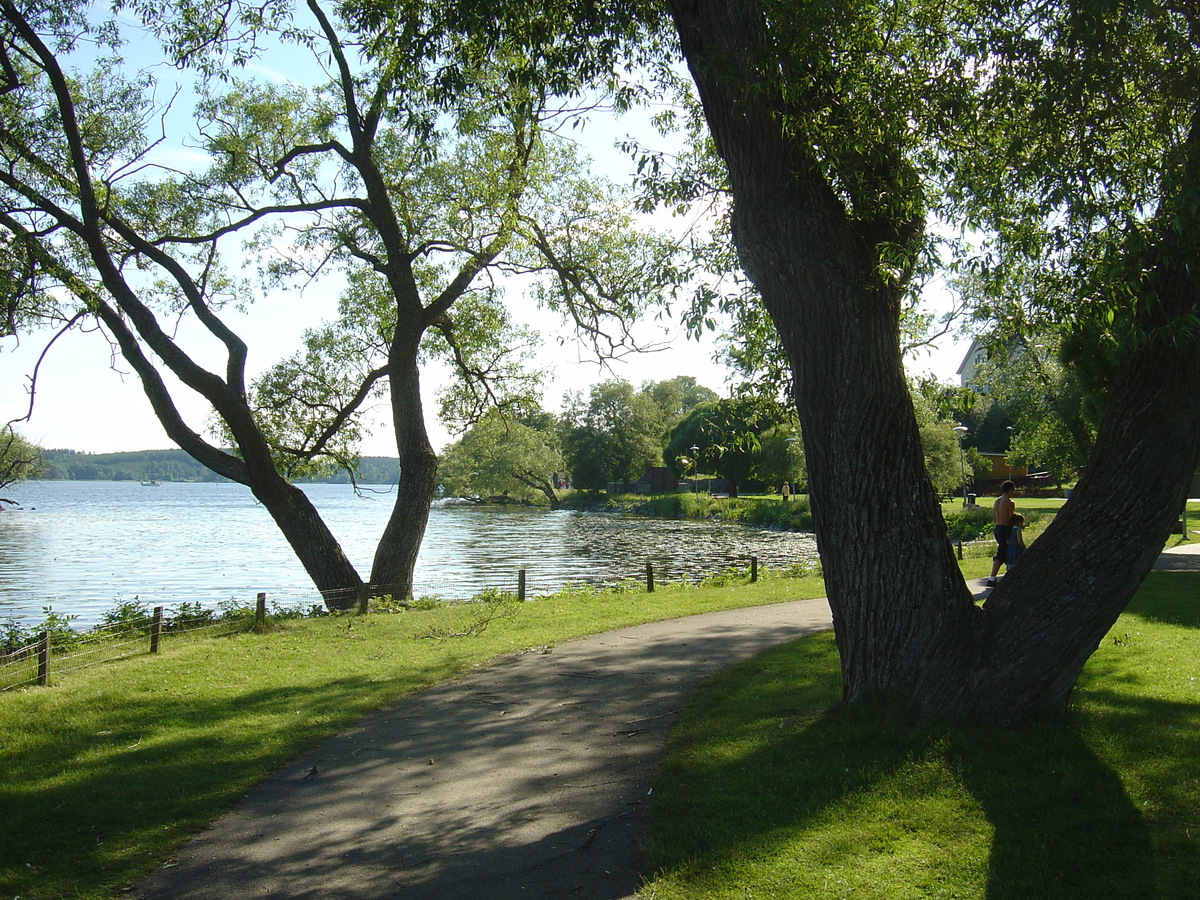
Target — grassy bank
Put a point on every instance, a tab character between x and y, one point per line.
765	793
103	774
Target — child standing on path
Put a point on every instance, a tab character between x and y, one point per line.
1016	542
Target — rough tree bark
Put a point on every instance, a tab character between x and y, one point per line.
907	629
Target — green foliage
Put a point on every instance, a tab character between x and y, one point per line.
968	524
1053	413
678	396
501	456
57	626
940	444
127	617
19	459
728	439
613	436
192	614
1081	174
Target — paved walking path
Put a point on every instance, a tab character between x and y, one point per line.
527	778
1184	558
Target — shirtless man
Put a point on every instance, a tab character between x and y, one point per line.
1002	513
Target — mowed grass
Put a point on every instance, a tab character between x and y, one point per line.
106	772
769	792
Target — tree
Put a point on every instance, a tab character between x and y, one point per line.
19	460
836	122
613	436
728	435
782	457
1046	404
502	456
415	172
944	457
678	396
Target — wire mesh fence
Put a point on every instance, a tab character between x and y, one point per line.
29	658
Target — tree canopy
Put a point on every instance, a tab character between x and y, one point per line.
412	166
726	438
503	456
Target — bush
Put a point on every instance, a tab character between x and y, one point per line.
968	524
128	617
792	515
191	614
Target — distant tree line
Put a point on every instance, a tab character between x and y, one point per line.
176	465
608	437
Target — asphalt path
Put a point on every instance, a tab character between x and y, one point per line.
527	778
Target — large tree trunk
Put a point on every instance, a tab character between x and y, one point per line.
907	629
310	539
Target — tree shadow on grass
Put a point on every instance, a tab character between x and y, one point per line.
1170	598
1064	826
151	777
858	801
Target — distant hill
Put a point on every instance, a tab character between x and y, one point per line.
175	465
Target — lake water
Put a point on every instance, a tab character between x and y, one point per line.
81	546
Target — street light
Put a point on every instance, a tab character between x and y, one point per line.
961	431
1008	452
695	463
790	464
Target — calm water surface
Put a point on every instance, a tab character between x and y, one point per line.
81	546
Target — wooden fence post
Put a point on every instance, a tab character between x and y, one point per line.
753	569
260	611
521	585
649	577
43	675
156	629
364	594
959	545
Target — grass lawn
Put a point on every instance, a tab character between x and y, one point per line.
105	773
765	793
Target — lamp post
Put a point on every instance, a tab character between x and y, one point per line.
961	431
790	442
1010	430
695	464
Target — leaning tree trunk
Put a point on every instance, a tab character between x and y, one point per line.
309	537
298	520
396	554
907	629
891	576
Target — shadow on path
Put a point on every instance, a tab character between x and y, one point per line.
524	779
